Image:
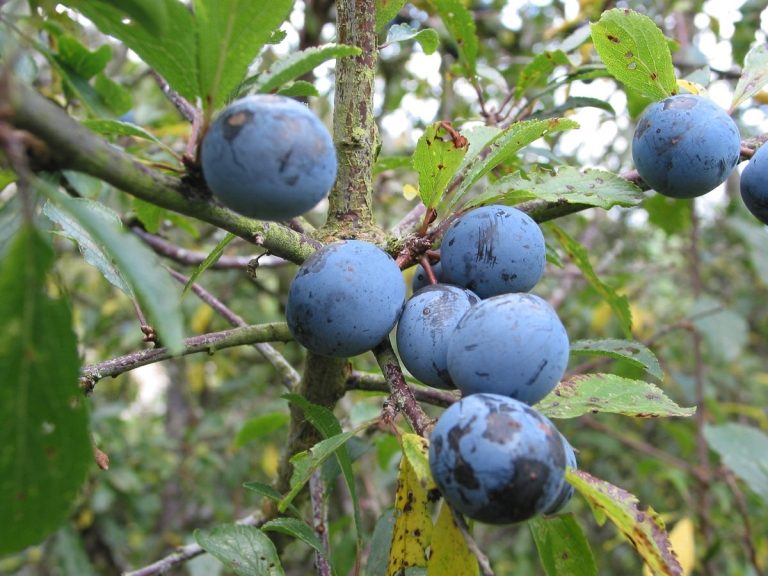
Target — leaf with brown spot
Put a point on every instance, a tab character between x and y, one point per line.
644	529
609	393
412	534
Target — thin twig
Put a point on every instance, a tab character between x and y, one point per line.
186	553
741	506
370	382
401	397
320	521
288	373
210	343
482	559
193	258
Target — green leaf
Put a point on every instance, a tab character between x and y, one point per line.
381	542
460	24
578	254
592	393
592	186
118	99
502	146
629	350
538	70
754	75
436	159
725	331
672	215
635	52
261	426
209	261
644	529
416	450
138	265
426	37
230	35
572	103
296	65
172	54
743	449
386	10
449	553
91	251
149	14
79	59
384	163
328	426
45	446
267	491
752	233
563	548
117	128
299	89
305	463
298	529
245	550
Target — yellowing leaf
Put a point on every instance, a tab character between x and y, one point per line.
416	449
413	523
450	553
684	545
644	529
410	191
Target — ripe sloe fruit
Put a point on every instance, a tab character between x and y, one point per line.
268	157
754	184
493	250
566	492
427	321
512	344
345	299
496	460
685	146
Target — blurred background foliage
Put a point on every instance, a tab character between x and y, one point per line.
183	436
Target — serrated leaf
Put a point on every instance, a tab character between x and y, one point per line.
643	528
416	449
79	59
172	54
437	157
91	251
138	265
426	37
592	393
230	35
563	548
501	147
629	350
298	529
209	261
579	256
460	24
260	426
635	52
150	14
413	524
754	75
592	187
245	550
743	449
328	425
45	446
296	65
538	70
449	551
386	10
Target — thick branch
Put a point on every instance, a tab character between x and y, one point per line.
210	343
74	147
353	126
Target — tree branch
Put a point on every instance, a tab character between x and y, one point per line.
378	383
210	343
74	147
